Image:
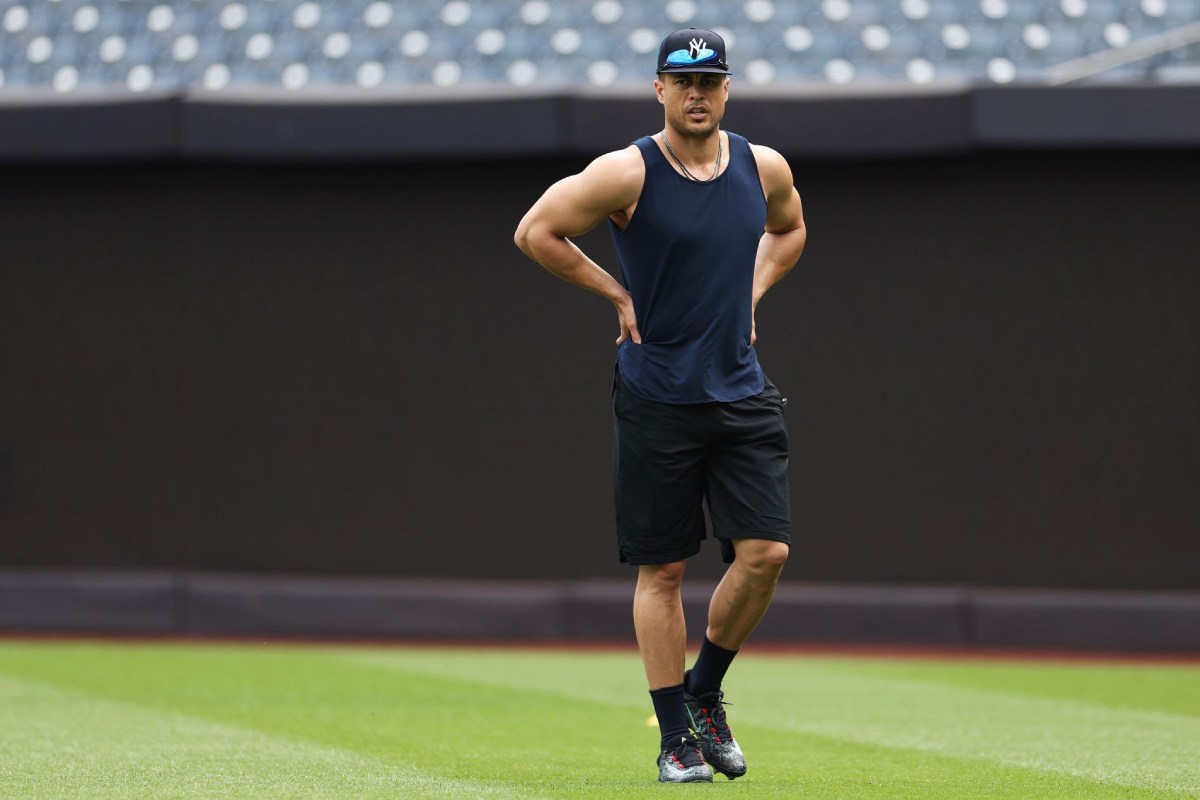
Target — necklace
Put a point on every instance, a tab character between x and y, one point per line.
686	173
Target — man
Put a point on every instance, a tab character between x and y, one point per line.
704	223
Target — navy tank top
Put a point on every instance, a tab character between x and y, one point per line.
687	258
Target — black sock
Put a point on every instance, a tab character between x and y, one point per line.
672	716
710	668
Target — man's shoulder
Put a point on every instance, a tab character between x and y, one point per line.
763	153
767	158
624	167
773	168
626	158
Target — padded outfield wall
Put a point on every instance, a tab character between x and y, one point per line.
248	360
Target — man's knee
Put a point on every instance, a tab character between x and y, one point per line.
762	556
661	578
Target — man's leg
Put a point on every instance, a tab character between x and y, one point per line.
745	592
659	624
658	482
737	605
747	491
662	640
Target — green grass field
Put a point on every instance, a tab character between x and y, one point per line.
94	720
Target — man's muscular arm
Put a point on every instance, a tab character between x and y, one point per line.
785	234
609	185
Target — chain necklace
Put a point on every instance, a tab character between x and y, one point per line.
686	173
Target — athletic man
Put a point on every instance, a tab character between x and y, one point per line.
704	223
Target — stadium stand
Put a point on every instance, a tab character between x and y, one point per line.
73	46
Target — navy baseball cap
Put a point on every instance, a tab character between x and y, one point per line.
692	50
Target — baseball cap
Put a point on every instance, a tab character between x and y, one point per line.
692	50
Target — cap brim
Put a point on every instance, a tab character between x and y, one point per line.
714	70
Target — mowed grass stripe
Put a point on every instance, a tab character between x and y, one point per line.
1149	686
1141	749
448	728
552	724
518	743
60	743
1153	750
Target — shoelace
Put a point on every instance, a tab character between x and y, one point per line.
712	708
687	753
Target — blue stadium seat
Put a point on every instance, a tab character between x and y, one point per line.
70	45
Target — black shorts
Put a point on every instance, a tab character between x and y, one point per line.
668	459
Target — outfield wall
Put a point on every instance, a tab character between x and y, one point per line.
991	361
990	352
149	603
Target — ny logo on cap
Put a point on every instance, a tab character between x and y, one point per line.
695	46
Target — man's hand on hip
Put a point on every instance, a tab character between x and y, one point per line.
628	320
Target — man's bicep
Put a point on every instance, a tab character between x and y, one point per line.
578	203
564	209
784	211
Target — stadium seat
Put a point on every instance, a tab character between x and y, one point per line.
134	45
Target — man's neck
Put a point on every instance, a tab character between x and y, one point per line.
695	157
698	153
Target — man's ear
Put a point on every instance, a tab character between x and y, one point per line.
659	86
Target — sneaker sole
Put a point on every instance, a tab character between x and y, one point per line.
730	775
698	779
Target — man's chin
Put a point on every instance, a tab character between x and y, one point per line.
690	129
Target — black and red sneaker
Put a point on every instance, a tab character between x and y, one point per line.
683	763
706	715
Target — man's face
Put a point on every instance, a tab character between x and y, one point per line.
694	101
